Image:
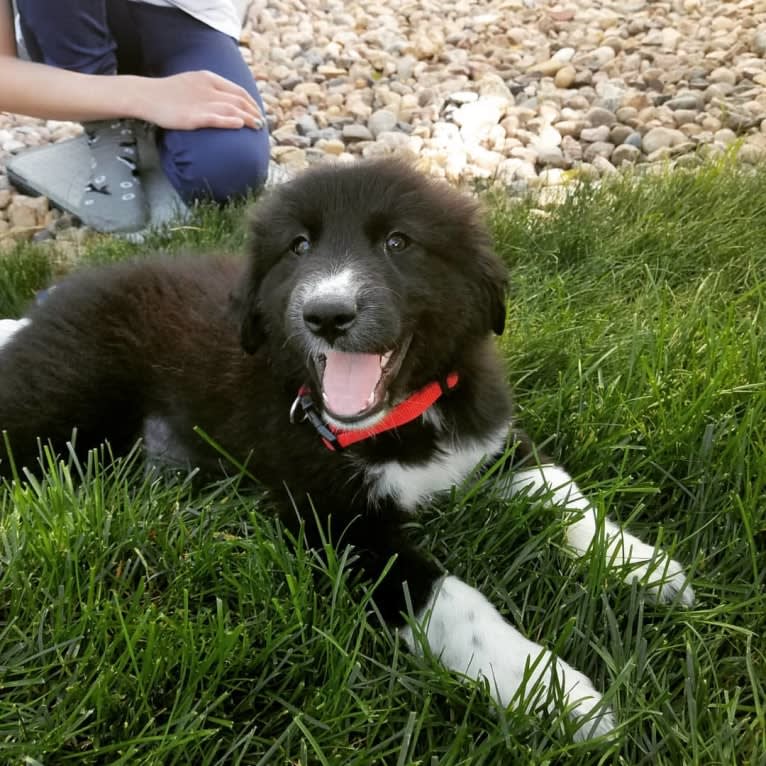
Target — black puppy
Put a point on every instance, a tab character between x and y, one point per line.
354	370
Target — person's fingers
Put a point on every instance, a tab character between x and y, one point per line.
245	104
221	83
243	98
240	111
240	102
255	116
203	99
228	122
225	115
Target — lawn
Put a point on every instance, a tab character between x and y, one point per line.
144	623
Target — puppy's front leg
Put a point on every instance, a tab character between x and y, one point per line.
460	627
552	485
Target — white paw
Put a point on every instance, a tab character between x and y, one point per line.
557	686
664	577
585	704
469	636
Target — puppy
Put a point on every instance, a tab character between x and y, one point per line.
349	365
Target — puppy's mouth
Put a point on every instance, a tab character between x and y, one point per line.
355	386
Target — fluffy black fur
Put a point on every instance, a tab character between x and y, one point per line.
210	342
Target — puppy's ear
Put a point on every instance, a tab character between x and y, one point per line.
244	301
493	279
490	275
243	304
497	293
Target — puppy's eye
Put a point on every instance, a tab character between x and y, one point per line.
300	245
396	242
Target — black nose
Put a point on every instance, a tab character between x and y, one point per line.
329	318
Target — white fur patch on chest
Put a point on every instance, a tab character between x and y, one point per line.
411	485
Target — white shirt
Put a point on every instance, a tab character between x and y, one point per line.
224	15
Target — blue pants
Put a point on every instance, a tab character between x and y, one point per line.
120	36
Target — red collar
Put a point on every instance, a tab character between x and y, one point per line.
336	439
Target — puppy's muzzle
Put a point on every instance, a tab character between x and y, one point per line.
329	318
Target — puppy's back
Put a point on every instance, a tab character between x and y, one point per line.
108	345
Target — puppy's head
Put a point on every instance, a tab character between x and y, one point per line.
368	281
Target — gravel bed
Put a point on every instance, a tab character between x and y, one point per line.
524	92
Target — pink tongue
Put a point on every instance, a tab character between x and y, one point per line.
349	381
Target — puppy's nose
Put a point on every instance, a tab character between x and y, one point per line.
329	318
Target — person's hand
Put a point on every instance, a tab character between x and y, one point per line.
192	100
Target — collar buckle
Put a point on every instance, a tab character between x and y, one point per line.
294	410
305	403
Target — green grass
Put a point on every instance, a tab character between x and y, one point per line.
143	623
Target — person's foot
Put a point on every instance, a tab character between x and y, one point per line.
114	199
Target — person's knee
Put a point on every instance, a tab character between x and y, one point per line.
217	165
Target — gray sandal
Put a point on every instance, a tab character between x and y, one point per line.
114	199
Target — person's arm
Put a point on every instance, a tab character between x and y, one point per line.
184	101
